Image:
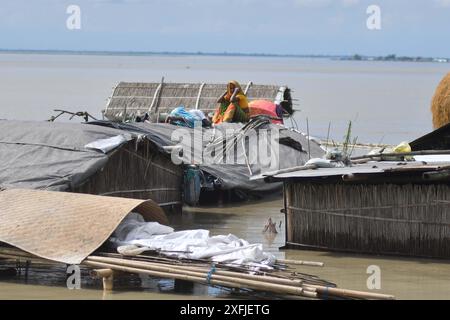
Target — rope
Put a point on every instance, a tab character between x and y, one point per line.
210	273
325	296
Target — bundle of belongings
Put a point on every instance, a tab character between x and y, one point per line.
135	236
182	117
187	118
268	108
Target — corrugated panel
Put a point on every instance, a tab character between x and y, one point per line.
65	227
366	168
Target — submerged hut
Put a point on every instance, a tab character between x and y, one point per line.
130	100
380	204
378	207
225	179
84	158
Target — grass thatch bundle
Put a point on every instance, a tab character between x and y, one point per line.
440	106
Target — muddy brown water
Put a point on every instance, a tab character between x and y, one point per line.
406	278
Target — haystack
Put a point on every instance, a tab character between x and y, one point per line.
440	106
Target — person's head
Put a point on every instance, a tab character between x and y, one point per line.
232	85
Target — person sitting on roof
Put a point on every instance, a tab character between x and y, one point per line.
233	105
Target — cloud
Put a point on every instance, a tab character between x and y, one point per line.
443	3
312	3
326	3
349	3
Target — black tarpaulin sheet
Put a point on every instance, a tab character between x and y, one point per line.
50	156
292	146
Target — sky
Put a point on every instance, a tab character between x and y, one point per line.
329	27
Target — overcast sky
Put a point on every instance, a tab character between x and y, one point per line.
408	27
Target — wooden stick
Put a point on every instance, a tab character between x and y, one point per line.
215	280
301	263
402	154
27	258
288	170
349	293
221	278
309	139
147	266
288	282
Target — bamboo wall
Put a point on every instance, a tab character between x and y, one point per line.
139	173
411	219
132	99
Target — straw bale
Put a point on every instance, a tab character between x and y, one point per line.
440	105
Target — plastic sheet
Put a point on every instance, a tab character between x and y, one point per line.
134	236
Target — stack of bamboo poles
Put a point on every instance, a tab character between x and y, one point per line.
280	280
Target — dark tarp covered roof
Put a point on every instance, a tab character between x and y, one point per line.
293	149
438	139
48	155
53	156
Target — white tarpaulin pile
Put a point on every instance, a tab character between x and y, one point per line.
135	236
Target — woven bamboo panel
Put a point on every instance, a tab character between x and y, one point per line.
408	219
65	227
132	99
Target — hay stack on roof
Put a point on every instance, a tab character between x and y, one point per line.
440	106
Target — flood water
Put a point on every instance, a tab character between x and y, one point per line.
388	102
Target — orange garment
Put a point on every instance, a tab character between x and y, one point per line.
228	111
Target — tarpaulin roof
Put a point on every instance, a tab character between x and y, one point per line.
438	139
65	227
53	156
293	151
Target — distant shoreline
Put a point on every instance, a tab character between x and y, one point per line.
355	57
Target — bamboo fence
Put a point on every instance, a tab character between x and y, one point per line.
401	219
130	100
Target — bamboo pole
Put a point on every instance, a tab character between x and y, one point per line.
107	276
345	293
147	266
27	258
402	154
215	280
301	263
289	170
15	252
204	271
220	277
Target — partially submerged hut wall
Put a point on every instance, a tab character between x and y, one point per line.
409	219
133	99
138	171
440	105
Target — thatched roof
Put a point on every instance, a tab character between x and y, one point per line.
133	99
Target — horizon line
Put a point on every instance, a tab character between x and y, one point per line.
201	53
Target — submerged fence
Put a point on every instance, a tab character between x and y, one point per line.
408	219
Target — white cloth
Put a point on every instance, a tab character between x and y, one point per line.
106	145
137	236
197	114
